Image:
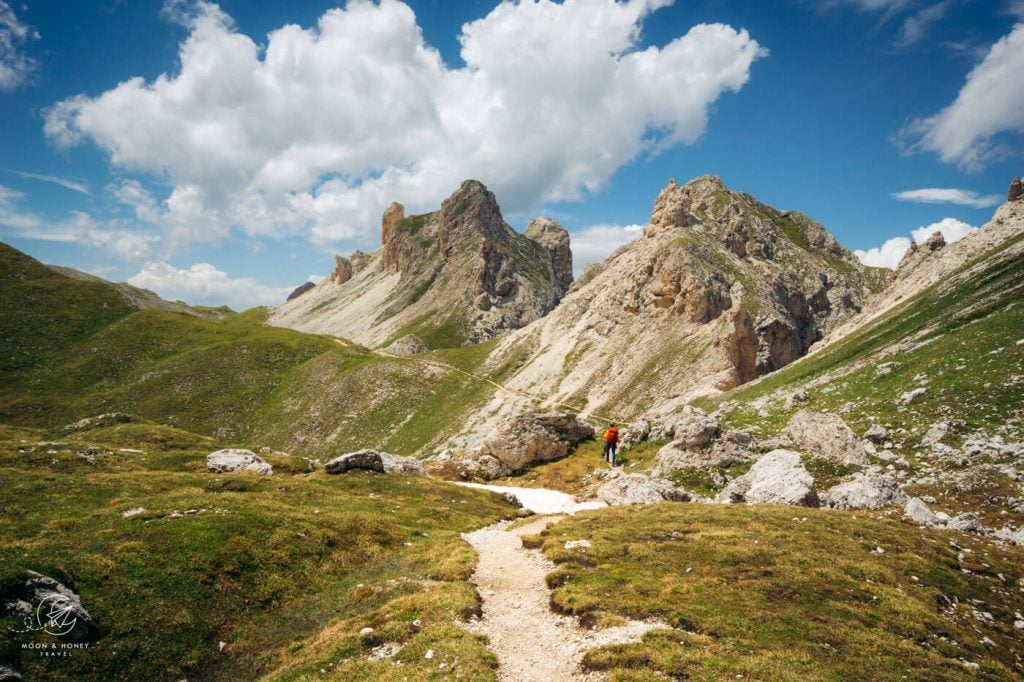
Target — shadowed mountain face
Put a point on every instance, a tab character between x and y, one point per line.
455	276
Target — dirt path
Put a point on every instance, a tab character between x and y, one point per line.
532	642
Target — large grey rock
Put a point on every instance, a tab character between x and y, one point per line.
877	434
235	460
966	523
628	489
635	433
936	432
49	605
865	490
918	512
826	435
524	440
1014	535
671	457
777	478
694	429
372	460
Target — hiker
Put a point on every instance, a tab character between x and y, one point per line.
611	442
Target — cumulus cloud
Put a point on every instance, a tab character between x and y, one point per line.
318	130
595	243
991	104
203	284
935	195
889	254
15	65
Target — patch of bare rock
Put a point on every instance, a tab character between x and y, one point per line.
372	460
234	460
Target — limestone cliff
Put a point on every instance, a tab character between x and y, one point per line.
455	276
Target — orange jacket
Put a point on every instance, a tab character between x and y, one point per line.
611	435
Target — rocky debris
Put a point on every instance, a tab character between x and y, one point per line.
99	421
523	440
408	345
372	460
91	452
555	239
36	592
865	490
635	433
1016	192
234	460
300	290
342	270
393	214
910	396
966	523
826	435
877	434
935	433
779	477
1014	535
127	514
918	254
359	260
918	512
629	489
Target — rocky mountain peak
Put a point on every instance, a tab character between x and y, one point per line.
342	270
393	214
555	239
1016	192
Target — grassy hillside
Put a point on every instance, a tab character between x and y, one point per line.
284	569
773	593
73	348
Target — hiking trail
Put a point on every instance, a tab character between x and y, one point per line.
532	643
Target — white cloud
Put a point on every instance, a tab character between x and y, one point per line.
935	195
320	129
73	185
203	284
990	103
15	65
316	279
915	27
595	243
889	254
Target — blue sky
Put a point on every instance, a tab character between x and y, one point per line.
225	152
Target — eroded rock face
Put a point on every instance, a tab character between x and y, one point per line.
372	460
235	460
866	490
779	477
26	597
672	207
555	239
393	214
359	260
524	440
1016	192
826	435
342	270
918	254
629	489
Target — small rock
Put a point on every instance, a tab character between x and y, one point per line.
918	512
235	460
429	655
911	396
574	544
133	512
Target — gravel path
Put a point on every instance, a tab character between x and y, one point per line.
532	642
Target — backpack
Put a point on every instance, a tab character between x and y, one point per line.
611	435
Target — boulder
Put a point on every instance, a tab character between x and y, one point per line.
694	429
1014	535
936	432
408	345
628	489
877	434
866	490
36	595
911	396
372	460
234	460
777	478
723	454
918	512
966	523
826	435
635	433
524	440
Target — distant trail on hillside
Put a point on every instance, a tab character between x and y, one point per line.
532	643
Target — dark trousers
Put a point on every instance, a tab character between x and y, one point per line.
609	453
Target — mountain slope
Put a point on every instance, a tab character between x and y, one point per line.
456	276
719	290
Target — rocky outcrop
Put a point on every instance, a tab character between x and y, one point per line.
35	595
629	489
300	290
555	239
1016	192
393	214
524	440
919	254
826	435
342	270
458	275
99	421
672	208
236	460
865	490
372	460
779	477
